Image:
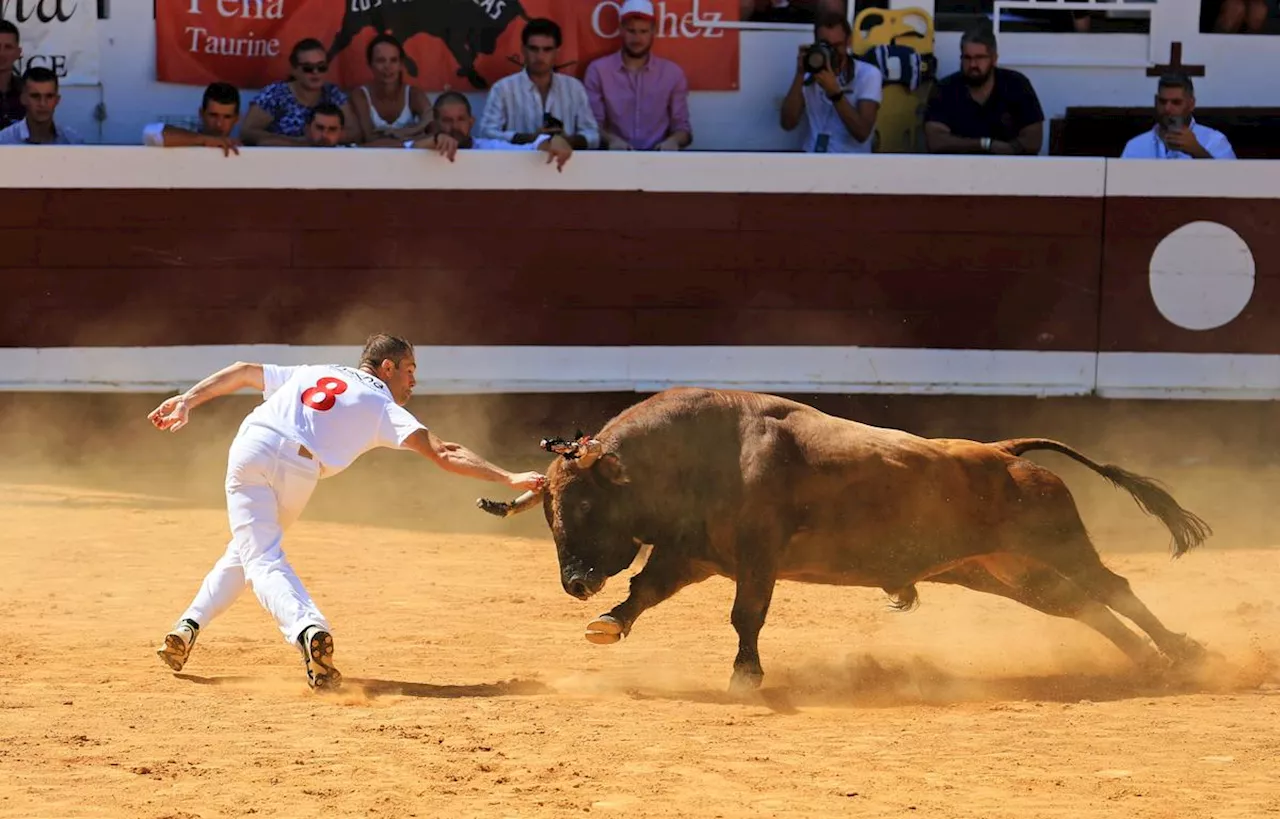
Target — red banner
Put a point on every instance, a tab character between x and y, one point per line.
463	45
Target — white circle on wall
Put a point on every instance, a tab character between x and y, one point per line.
1202	275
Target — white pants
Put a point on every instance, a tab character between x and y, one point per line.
268	485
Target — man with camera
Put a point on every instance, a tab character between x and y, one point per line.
838	95
1176	134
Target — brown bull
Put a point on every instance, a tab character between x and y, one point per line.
759	488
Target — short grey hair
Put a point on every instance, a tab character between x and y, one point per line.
982	34
1176	79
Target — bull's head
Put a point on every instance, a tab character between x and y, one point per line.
586	507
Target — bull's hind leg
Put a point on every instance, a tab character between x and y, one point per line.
1040	587
667	572
1082	564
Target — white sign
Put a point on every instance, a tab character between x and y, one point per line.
61	35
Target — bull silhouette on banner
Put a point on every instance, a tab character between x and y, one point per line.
468	28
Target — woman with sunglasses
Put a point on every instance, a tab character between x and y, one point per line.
388	107
280	113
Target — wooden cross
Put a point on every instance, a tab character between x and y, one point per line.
1175	64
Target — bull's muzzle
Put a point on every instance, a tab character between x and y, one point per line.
582	584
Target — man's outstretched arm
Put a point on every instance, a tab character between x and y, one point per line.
172	413
459	460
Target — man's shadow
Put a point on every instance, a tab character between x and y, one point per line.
380	688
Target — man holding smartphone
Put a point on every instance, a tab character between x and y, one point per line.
1176	134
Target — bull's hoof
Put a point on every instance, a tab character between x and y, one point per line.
745	681
604	630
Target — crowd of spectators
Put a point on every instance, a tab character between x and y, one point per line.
630	100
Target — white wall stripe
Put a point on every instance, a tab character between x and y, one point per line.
1239	179
126	167
523	369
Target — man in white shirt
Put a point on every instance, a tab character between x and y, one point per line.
40	96
538	100
315	420
840	102
1176	134
219	114
453	121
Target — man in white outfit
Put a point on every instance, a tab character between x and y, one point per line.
315	420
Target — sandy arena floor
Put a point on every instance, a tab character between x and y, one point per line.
471	691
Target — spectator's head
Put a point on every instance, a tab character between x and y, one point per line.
452	112
1175	98
978	55
326	125
636	20
541	39
10	45
385	56
833	28
309	63
40	94
219	110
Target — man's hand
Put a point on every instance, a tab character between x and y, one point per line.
228	145
826	80
800	59
558	149
668	144
617	143
171	414
1184	139
445	145
1003	148
534	481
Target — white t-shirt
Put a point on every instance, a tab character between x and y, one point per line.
338	413
1149	145
821	116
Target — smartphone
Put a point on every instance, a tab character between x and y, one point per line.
823	143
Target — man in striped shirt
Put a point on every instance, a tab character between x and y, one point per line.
538	100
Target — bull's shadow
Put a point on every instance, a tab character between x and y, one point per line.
864	681
468	28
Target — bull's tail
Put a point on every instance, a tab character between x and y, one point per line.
1187	529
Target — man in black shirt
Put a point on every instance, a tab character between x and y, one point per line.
982	109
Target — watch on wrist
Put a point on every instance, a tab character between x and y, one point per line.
835	96
986	144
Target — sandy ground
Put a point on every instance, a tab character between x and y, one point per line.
471	691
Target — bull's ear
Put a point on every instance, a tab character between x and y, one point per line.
611	468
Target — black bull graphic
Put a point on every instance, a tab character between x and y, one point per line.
468	28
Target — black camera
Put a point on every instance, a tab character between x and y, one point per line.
817	57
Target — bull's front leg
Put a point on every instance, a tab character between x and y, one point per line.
750	606
667	571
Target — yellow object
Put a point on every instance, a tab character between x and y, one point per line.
900	122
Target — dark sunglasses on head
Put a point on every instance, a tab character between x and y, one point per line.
314	68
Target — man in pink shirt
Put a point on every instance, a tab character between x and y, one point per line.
640	100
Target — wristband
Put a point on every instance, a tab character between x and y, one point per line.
986	144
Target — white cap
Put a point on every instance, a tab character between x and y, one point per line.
640	8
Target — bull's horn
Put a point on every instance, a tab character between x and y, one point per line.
591	450
505	509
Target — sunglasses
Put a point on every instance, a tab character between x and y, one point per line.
313	68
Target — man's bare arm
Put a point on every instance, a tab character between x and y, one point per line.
939	140
459	460
172	413
1030	138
